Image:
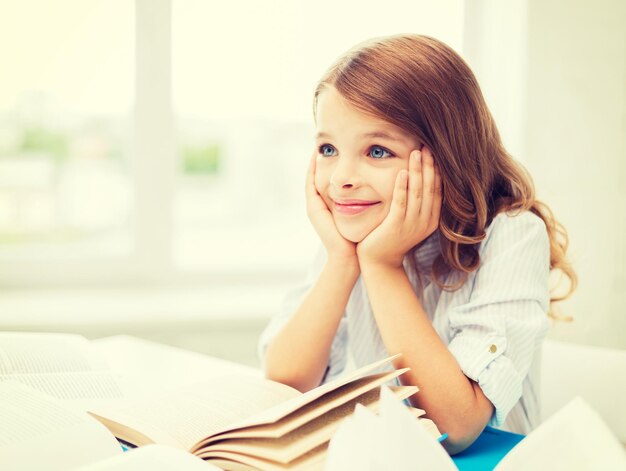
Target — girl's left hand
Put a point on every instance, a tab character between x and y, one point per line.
413	216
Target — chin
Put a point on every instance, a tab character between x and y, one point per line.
354	235
351	238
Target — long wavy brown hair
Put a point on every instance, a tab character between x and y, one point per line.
422	86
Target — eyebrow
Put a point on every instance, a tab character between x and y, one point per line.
376	134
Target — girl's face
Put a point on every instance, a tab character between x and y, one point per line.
359	157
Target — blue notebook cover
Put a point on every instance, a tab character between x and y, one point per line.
487	451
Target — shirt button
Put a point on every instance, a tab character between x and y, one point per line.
493	348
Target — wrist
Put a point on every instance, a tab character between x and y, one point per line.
368	265
348	262
367	262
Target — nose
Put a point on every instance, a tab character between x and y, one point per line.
346	173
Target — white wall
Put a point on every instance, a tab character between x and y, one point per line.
554	73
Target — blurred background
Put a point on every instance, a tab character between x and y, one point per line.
153	152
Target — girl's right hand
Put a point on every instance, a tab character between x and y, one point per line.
337	246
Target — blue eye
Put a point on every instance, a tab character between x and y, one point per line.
322	150
378	153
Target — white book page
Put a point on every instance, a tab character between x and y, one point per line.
72	385
40	432
282	410
393	439
314	409
187	415
574	438
308	436
34	352
153	458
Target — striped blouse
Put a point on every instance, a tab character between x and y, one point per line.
493	325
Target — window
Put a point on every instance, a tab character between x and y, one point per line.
164	139
65	186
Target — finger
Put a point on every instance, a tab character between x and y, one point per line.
397	212
428	174
309	188
314	201
415	185
438	198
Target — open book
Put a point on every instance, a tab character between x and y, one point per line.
235	422
251	423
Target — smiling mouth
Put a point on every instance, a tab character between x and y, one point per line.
354	208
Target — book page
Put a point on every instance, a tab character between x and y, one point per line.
40	432
575	437
310	411
66	367
393	439
307	437
310	461
71	385
34	352
182	417
281	410
153	458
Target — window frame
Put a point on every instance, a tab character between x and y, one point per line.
153	175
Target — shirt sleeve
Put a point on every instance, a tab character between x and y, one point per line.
495	335
338	351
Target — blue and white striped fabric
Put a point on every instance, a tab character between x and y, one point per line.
493	325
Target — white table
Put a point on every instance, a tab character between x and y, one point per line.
163	365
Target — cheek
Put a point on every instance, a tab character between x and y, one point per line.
388	191
322	176
387	184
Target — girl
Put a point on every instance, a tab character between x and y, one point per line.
434	244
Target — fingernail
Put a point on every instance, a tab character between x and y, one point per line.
418	156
